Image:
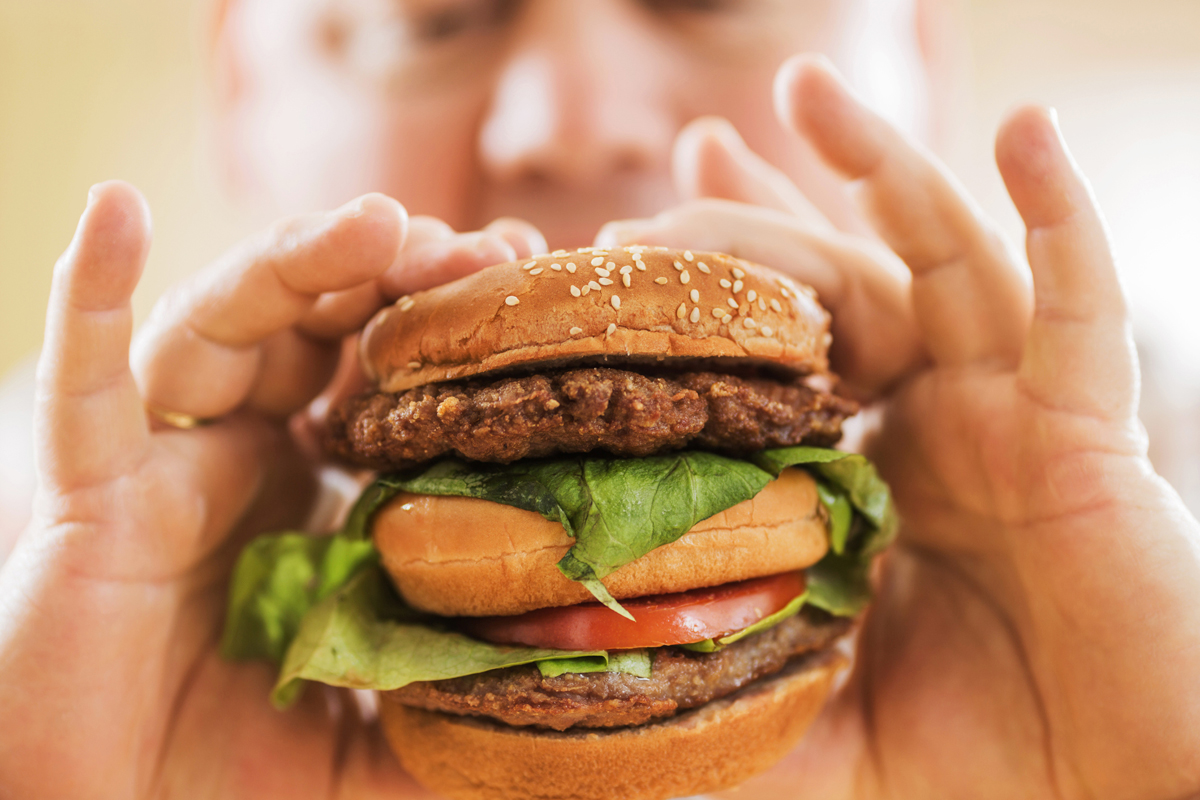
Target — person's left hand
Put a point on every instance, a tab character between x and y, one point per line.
1037	628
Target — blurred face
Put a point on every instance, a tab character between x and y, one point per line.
562	112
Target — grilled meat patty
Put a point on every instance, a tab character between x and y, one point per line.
681	679
579	410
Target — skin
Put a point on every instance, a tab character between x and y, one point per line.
1035	634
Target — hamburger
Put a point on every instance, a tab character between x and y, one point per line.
609	551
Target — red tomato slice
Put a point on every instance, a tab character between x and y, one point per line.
660	620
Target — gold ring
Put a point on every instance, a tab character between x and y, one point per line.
174	419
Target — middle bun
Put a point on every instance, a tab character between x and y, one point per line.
459	556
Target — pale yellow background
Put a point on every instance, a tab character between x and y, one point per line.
94	89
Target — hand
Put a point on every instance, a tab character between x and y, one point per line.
111	605
1037	632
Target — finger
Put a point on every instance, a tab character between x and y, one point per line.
91	423
970	292
864	286
710	159
438	262
1080	354
525	238
201	353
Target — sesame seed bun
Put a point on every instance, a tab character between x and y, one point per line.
715	746
433	550
633	304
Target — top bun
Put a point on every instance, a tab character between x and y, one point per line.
633	304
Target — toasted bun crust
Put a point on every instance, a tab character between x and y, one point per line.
527	312
459	556
716	746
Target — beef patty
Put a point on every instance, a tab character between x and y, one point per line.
680	680
579	410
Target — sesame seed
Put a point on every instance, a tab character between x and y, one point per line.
606	282
625	280
718	312
678	265
732	303
661	248
749	323
511	301
612	328
597	261
684	277
737	273
727	319
407	304
681	312
700	265
641	267
785	291
602	272
595	286
556	267
530	265
766	331
616	302
687	255
625	270
695	316
598	252
560	253
726	284
775	306
737	286
762	306
575	290
610	266
695	295
661	281
571	267
743	309
585	290
576	331
414	365
751	295
537	271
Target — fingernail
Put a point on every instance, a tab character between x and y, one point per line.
92	195
354	208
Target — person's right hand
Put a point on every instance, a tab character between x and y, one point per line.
112	604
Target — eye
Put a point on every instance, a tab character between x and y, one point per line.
461	18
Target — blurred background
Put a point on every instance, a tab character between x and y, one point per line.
96	89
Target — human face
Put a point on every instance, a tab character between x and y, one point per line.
562	112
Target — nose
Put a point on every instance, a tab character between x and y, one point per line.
580	96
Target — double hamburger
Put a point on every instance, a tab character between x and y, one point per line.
609	552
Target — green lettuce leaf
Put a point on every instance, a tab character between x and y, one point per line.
841	514
852	473
631	662
839	584
364	637
277	579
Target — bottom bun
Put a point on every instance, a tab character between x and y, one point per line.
716	746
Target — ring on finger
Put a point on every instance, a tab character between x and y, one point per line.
176	419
